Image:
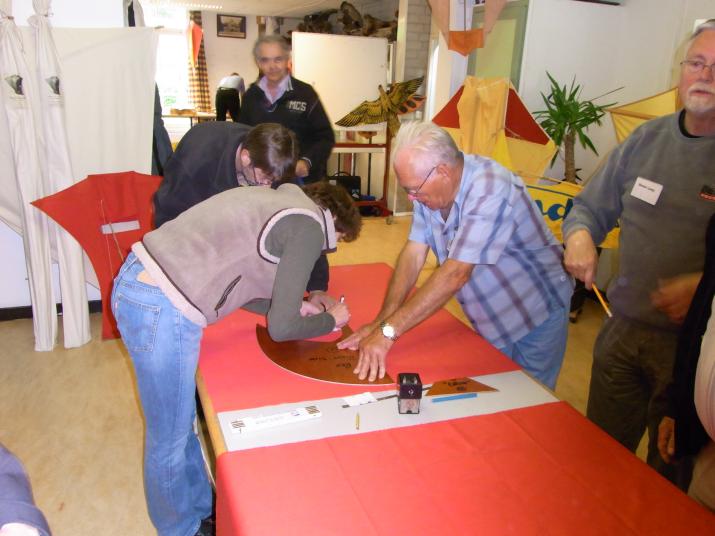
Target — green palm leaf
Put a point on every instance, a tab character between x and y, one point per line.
566	118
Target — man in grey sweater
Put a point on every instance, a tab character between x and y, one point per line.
656	186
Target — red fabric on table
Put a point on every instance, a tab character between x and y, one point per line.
536	470
238	375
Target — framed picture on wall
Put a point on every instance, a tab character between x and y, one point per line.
609	2
231	26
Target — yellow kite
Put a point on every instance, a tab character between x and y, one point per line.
487	117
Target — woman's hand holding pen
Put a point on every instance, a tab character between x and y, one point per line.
340	313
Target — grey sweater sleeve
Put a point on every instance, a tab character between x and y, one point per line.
259	307
298	241
598	207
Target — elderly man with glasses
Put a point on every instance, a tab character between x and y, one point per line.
494	251
659	185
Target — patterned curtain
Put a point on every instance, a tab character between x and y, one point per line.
198	74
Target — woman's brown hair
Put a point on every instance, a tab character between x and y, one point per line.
338	201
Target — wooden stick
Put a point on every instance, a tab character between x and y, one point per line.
603	302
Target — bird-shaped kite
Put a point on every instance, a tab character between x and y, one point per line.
399	99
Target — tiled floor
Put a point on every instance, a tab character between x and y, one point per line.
74	418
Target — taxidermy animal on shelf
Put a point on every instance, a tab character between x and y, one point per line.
350	18
399	99
317	22
374	27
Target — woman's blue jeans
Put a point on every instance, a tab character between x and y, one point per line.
164	348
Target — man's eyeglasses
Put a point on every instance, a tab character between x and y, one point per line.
416	192
259	177
697	66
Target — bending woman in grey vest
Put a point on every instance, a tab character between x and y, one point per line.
251	248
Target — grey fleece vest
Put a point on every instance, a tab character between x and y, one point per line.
215	254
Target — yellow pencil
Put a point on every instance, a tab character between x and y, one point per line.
603	302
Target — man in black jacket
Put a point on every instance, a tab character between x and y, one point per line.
277	97
215	156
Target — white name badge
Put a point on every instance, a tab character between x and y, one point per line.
646	190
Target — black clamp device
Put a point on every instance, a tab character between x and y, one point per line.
409	392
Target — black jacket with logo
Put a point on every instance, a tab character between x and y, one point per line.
300	110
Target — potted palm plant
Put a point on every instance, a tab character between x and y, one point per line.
566	118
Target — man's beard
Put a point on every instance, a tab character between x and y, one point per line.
700	104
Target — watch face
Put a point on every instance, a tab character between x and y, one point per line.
388	331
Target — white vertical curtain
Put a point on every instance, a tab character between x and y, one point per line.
138	13
75	319
17	94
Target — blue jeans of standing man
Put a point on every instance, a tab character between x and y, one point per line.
164	348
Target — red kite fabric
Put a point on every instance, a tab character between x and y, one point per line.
196	34
106	214
466	41
448	117
519	122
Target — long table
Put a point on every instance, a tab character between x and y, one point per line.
198	116
538	468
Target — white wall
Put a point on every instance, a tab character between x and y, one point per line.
14	291
225	55
605	47
75	13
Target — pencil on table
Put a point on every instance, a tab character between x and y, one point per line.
603	302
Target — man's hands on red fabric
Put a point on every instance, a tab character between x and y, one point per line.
373	356
373	347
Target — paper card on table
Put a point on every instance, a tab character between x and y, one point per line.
320	360
359	400
458	385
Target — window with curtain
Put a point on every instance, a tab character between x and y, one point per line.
171	74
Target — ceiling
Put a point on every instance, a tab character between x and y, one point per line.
271	8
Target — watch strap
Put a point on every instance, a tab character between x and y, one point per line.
383	325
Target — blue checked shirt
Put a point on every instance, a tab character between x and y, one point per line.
518	278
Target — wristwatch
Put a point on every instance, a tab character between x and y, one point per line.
388	331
